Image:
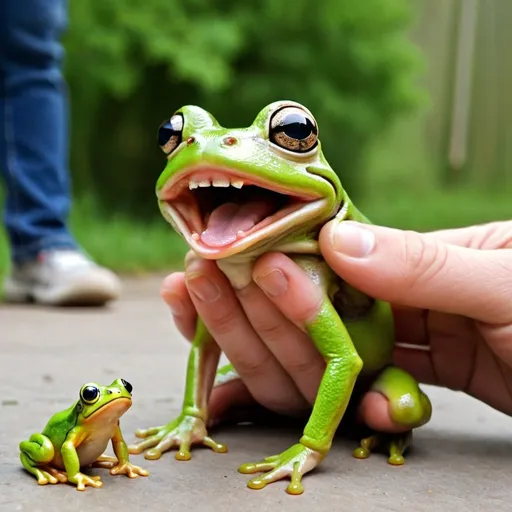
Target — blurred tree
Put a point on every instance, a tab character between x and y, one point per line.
131	63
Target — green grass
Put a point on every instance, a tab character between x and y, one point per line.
432	210
125	244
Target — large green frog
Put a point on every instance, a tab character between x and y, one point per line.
76	438
234	194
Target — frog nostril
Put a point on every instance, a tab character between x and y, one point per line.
230	141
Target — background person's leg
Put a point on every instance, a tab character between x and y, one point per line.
47	263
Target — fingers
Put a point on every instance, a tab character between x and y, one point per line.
175	294
418	363
492	235
410	325
280	327
405	267
222	313
288	286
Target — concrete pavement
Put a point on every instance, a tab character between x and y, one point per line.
462	460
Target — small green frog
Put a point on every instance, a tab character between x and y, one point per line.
235	194
78	436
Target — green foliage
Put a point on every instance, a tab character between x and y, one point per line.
131	63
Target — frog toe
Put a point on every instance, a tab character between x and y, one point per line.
44	478
394	444
292	463
181	433
60	476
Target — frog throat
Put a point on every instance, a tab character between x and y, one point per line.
116	407
222	211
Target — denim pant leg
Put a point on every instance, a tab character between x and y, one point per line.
33	126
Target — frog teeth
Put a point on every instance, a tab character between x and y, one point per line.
220	182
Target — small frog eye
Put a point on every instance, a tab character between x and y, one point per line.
89	394
293	129
127	386
170	133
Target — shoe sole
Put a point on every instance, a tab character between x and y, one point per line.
90	292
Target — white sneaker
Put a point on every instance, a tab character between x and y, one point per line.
62	278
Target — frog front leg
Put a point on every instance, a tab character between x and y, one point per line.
72	463
120	464
343	366
190	426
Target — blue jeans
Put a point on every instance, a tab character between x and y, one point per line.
33	127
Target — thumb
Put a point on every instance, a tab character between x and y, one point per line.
408	268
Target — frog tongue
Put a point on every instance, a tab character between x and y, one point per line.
229	219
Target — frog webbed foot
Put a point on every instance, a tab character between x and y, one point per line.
57	474
44	473
183	432
83	481
293	463
395	444
128	469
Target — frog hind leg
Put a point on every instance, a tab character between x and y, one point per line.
43	477
35	456
409	407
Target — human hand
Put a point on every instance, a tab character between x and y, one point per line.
451	295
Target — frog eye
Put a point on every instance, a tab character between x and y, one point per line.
127	386
170	133
293	129
89	394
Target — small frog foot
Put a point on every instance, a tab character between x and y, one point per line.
129	470
54	475
44	473
395	444
45	476
82	481
294	463
182	432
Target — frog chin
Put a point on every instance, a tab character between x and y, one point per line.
111	411
222	212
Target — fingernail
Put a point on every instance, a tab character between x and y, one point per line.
273	283
352	240
204	289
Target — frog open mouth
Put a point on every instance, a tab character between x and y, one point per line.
218	209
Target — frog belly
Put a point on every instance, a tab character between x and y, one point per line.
94	445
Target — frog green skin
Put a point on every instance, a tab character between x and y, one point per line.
78	436
234	194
